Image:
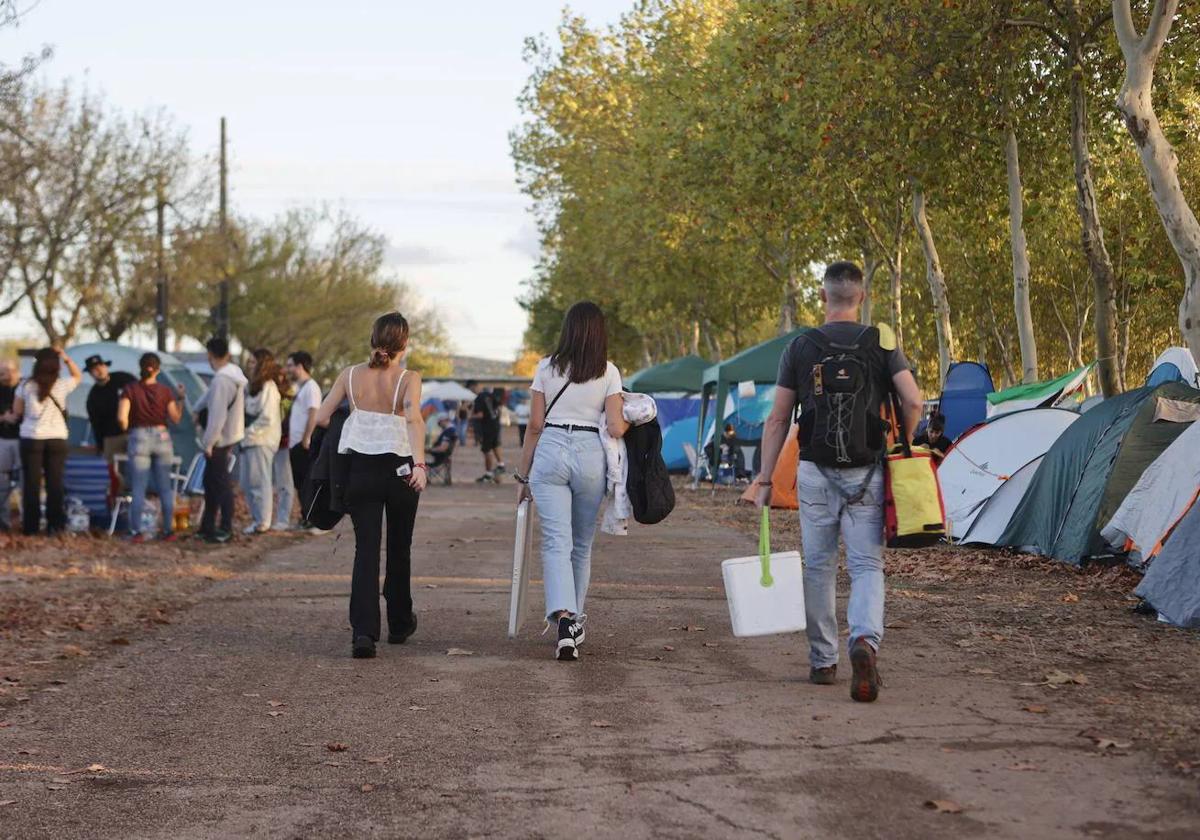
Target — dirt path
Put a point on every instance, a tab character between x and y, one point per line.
247	718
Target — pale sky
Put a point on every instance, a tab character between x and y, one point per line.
397	110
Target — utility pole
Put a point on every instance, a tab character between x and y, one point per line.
223	306
160	318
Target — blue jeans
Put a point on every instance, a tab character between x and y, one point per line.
150	455
257	463
568	482
281	477
824	514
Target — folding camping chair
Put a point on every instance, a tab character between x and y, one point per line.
697	465
441	464
86	478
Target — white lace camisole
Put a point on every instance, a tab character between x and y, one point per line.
375	432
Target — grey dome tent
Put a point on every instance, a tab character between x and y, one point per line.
1172	583
1089	470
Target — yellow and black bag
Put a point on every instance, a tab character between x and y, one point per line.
914	514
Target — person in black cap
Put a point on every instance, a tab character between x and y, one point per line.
102	406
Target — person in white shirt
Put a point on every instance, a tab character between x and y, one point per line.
574	390
303	419
41	403
264	428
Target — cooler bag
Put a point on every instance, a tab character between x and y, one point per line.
765	592
914	516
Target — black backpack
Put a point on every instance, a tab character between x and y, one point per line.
839	413
648	483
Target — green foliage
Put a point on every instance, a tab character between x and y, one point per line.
691	165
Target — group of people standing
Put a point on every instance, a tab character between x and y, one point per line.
258	428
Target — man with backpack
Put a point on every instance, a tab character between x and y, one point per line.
840	375
224	409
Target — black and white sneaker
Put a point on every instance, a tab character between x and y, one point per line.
570	636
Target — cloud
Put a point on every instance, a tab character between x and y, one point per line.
525	242
407	255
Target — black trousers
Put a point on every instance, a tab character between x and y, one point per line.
301	463
43	459
374	491
218	492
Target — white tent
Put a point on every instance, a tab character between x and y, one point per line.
982	460
1183	362
1162	495
997	512
445	391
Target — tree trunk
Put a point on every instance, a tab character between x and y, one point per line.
695	338
789	314
871	264
897	287
1020	261
937	284
1092	233
1157	155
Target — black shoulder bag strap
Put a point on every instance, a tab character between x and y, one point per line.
556	396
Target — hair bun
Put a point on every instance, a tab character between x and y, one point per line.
380	357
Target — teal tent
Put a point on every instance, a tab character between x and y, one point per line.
683	374
1089	470
758	364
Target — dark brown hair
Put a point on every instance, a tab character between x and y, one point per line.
46	370
265	370
582	352
149	364
389	337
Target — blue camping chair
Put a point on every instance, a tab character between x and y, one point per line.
87	478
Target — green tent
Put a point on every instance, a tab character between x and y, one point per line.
758	364
1037	394
1090	469
683	374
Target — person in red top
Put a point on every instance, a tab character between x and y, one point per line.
147	407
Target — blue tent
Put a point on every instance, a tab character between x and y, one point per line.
1172	583
675	436
964	397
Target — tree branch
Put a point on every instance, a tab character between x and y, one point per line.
1127	34
1059	40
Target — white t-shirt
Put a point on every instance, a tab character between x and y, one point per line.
42	419
582	403
308	397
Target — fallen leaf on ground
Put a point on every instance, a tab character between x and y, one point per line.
601	724
418	708
336	746
1022	765
983	671
943	806
962	643
1035	709
332	763
459	652
56	787
72	651
668	647
367	788
711	644
1070	598
275	714
1103	741
119	640
4	802
379	759
275	704
252	695
28	751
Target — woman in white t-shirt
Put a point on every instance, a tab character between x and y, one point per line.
41	402
575	389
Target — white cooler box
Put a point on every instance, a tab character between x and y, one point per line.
765	592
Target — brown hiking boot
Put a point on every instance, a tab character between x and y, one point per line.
865	681
823	676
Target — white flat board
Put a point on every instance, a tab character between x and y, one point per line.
522	560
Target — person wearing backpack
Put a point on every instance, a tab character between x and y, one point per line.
840	375
563	466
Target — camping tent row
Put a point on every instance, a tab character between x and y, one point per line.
1120	481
